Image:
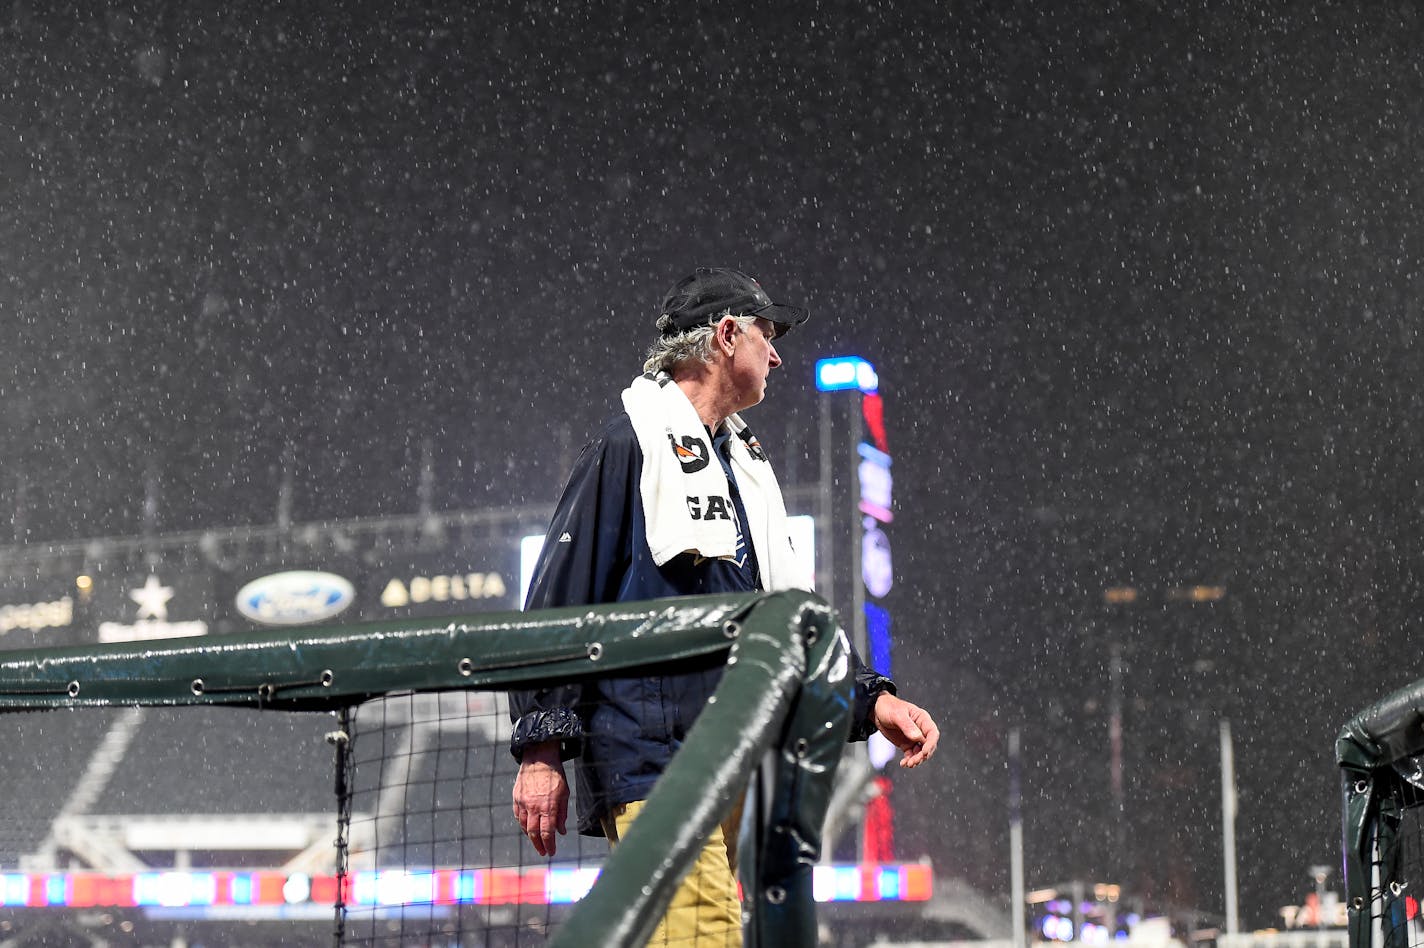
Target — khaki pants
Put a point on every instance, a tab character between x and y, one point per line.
705	911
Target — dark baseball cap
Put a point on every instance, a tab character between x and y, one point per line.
708	291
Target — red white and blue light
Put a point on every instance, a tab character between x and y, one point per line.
908	882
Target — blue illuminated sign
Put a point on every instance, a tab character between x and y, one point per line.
877	635
846	372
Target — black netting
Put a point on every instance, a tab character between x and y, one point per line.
433	854
1397	887
417	820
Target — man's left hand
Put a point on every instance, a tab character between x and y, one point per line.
907	726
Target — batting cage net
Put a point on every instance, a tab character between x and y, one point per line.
405	725
1381	755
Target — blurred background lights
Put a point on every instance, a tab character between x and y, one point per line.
846	372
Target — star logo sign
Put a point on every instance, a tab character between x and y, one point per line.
152	599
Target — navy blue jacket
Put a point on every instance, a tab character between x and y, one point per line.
623	731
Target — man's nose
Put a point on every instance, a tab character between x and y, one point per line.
775	359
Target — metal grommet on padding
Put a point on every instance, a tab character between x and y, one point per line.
197	686
732	629
466	667
327	677
73	689
775	894
595	651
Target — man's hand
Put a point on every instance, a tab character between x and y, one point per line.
541	796
907	726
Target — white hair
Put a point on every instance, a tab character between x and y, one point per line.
669	352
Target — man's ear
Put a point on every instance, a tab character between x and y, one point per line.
726	333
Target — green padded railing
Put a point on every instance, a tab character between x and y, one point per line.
783	700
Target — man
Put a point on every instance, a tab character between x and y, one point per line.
646	515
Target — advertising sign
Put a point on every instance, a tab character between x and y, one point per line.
295	597
447	583
40	611
288	592
158	604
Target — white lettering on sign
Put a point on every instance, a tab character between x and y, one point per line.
145	629
443	589
37	615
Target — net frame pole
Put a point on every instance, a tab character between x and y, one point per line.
784	699
1367	749
329	667
340	740
803	762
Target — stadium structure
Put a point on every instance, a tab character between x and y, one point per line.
145	825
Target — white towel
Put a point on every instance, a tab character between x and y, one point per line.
687	502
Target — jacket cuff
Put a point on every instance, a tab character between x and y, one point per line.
553	724
868	687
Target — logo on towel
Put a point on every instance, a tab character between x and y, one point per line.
753	446
710	508
693	454
717	507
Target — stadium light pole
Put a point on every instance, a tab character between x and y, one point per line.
1017	897
1228	827
843	373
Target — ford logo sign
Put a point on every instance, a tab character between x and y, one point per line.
295	598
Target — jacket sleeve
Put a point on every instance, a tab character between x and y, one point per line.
585	555
869	685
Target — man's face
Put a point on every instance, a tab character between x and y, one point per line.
752	361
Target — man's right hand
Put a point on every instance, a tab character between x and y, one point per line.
541	796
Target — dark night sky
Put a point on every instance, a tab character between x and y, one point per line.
1140	282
